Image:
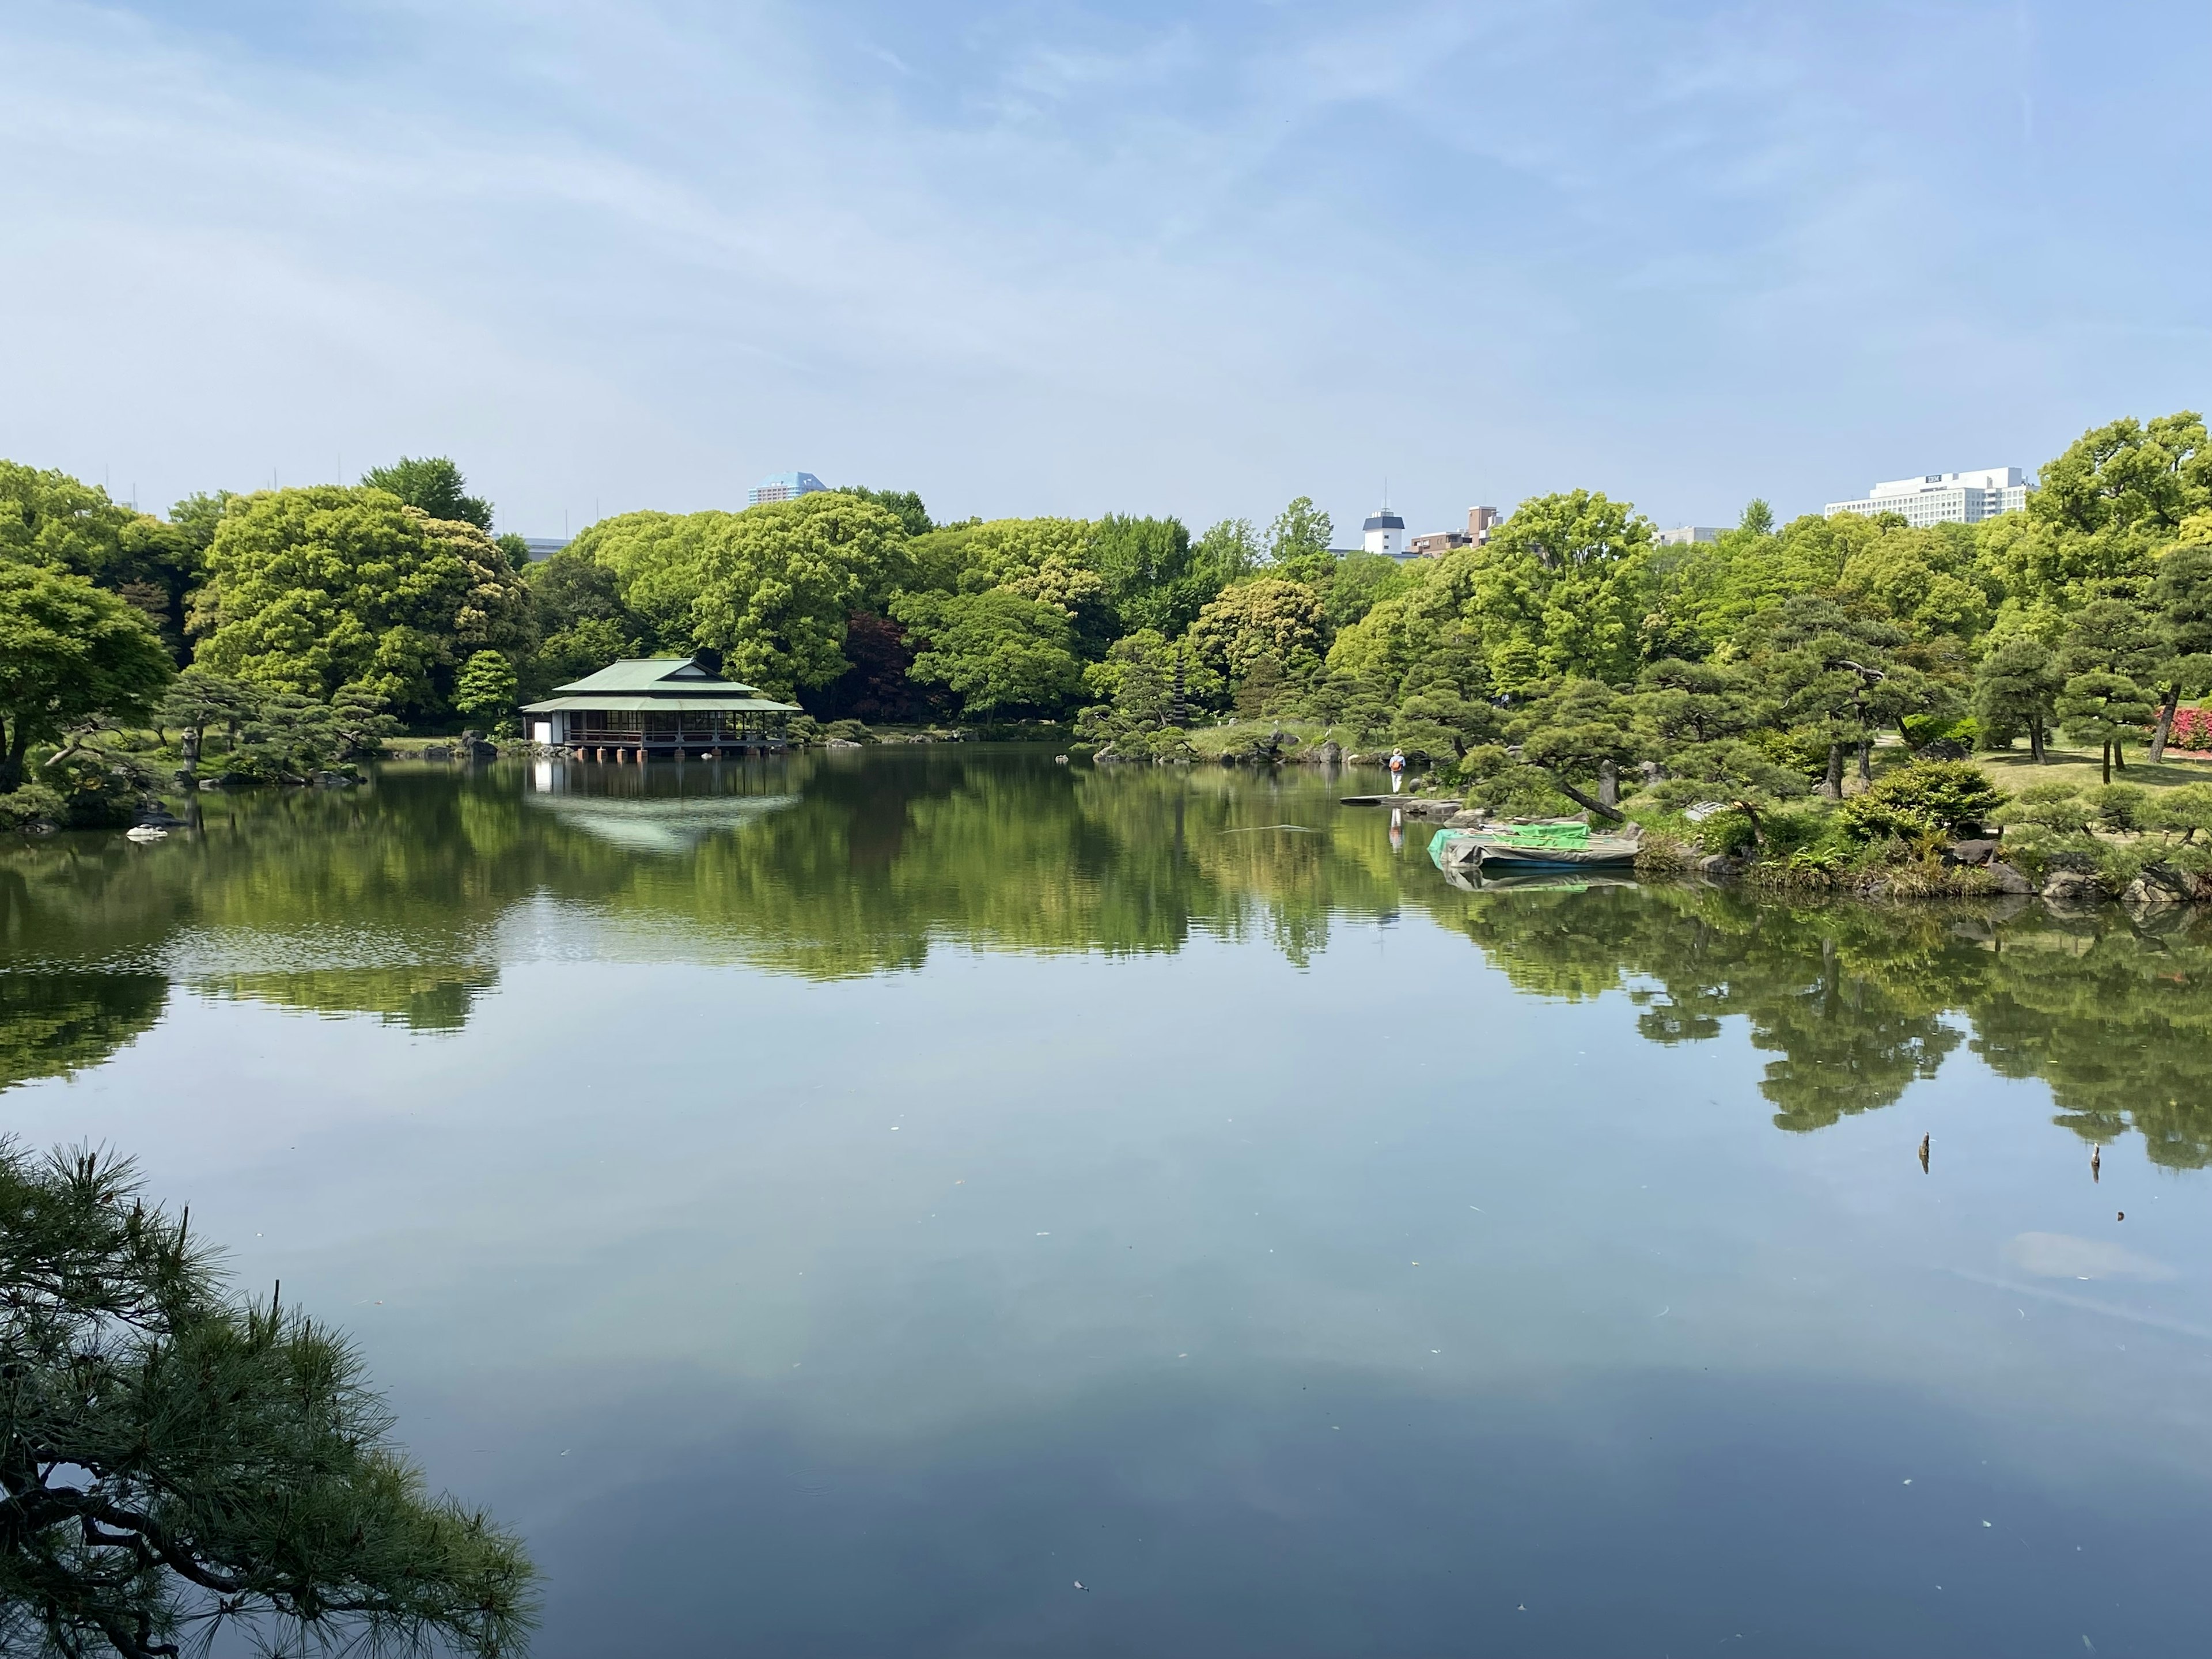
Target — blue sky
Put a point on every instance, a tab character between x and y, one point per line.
1052	257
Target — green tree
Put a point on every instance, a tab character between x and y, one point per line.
1297	544
51	519
2016	690
435	485
1835	667
363	719
1268	620
1685	703
1582	736
1003	653
487	689
514	548
905	505
1926	797
2181	607
2103	708
579	622
1157	579
769	589
197	516
2128	478
1228	553
1567	578
198	699
179	1467
312	589
68	651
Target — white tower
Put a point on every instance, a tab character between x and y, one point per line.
1384	532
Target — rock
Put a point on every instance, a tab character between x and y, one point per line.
156	818
1971	852
2142	895
437	751
1719	866
2072	887
210	783
332	780
841	743
1330	753
1472	818
2009	880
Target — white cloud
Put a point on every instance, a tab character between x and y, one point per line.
1197	263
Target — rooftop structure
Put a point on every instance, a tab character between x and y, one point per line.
1688	535
642	706
1435	543
783	487
1384	532
544	547
1944	497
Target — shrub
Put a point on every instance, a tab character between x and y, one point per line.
1923	798
2121	806
2187	810
1932	736
847	731
97	789
2192	729
30	806
1727	832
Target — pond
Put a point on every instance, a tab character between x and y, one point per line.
840	1206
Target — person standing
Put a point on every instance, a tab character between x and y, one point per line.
1397	770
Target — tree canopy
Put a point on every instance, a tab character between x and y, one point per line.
178	1463
435	485
68	651
315	588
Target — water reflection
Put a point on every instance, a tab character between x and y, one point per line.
405	900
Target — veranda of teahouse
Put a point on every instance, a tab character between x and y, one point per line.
643	708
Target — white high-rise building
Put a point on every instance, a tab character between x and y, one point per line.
1944	497
1384	532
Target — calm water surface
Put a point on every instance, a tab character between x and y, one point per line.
834	1206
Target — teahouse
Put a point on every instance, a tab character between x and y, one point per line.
646	706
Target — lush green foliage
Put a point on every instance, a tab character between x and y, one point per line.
1927	798
69	653
312	589
435	485
768	590
177	1464
1791	648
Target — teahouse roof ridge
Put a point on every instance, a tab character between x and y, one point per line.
632	675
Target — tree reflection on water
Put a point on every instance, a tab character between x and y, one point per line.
399	901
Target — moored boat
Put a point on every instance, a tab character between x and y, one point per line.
1531	847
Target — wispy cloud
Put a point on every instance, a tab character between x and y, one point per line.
1070	258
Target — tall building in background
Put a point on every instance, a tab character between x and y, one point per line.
783	487
1384	532
1688	535
1944	497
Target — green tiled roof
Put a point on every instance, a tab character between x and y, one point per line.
668	677
616	703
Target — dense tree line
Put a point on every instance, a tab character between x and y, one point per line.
1572	655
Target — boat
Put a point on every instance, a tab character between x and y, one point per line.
1508	848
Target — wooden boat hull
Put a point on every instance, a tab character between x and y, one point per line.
1456	849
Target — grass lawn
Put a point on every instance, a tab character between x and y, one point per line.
2014	770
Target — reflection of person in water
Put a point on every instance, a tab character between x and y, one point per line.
1397	769
1397	829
